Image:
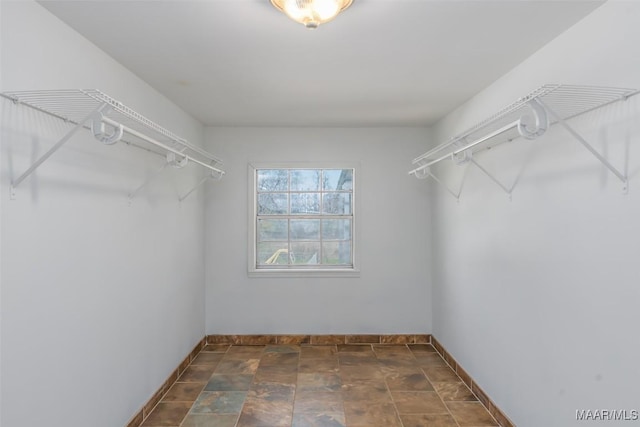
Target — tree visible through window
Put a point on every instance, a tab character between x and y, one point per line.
304	218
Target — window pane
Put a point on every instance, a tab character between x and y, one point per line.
305	229
336	203
304	218
305	253
273	180
336	253
272	229
305	180
273	204
272	253
337	179
336	229
305	203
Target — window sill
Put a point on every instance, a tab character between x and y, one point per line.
304	273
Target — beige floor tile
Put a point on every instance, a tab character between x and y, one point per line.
469	414
418	402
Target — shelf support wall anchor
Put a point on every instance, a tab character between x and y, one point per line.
596	154
15	183
426	173
212	175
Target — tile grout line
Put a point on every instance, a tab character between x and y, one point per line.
191	356
196	356
213	373
205	385
295	387
337	372
247	395
184	382
455	420
440	397
393	402
245	398
455	371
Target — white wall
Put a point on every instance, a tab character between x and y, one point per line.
393	291
1	221
538	297
100	301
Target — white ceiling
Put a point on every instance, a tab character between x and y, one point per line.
382	62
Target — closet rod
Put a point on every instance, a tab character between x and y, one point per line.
493	134
161	145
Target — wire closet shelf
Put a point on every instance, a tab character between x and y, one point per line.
109	120
528	117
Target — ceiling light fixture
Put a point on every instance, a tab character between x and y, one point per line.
311	13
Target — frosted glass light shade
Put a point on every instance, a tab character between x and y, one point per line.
311	13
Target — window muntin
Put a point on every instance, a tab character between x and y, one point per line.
304	218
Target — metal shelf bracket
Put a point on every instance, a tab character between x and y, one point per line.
425	173
15	183
172	160
135	192
621	176
213	175
504	188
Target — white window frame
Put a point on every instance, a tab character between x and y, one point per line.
307	271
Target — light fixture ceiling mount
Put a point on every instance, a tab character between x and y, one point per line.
311	13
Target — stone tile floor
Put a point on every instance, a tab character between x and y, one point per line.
351	385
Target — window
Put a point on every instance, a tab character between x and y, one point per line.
303	220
